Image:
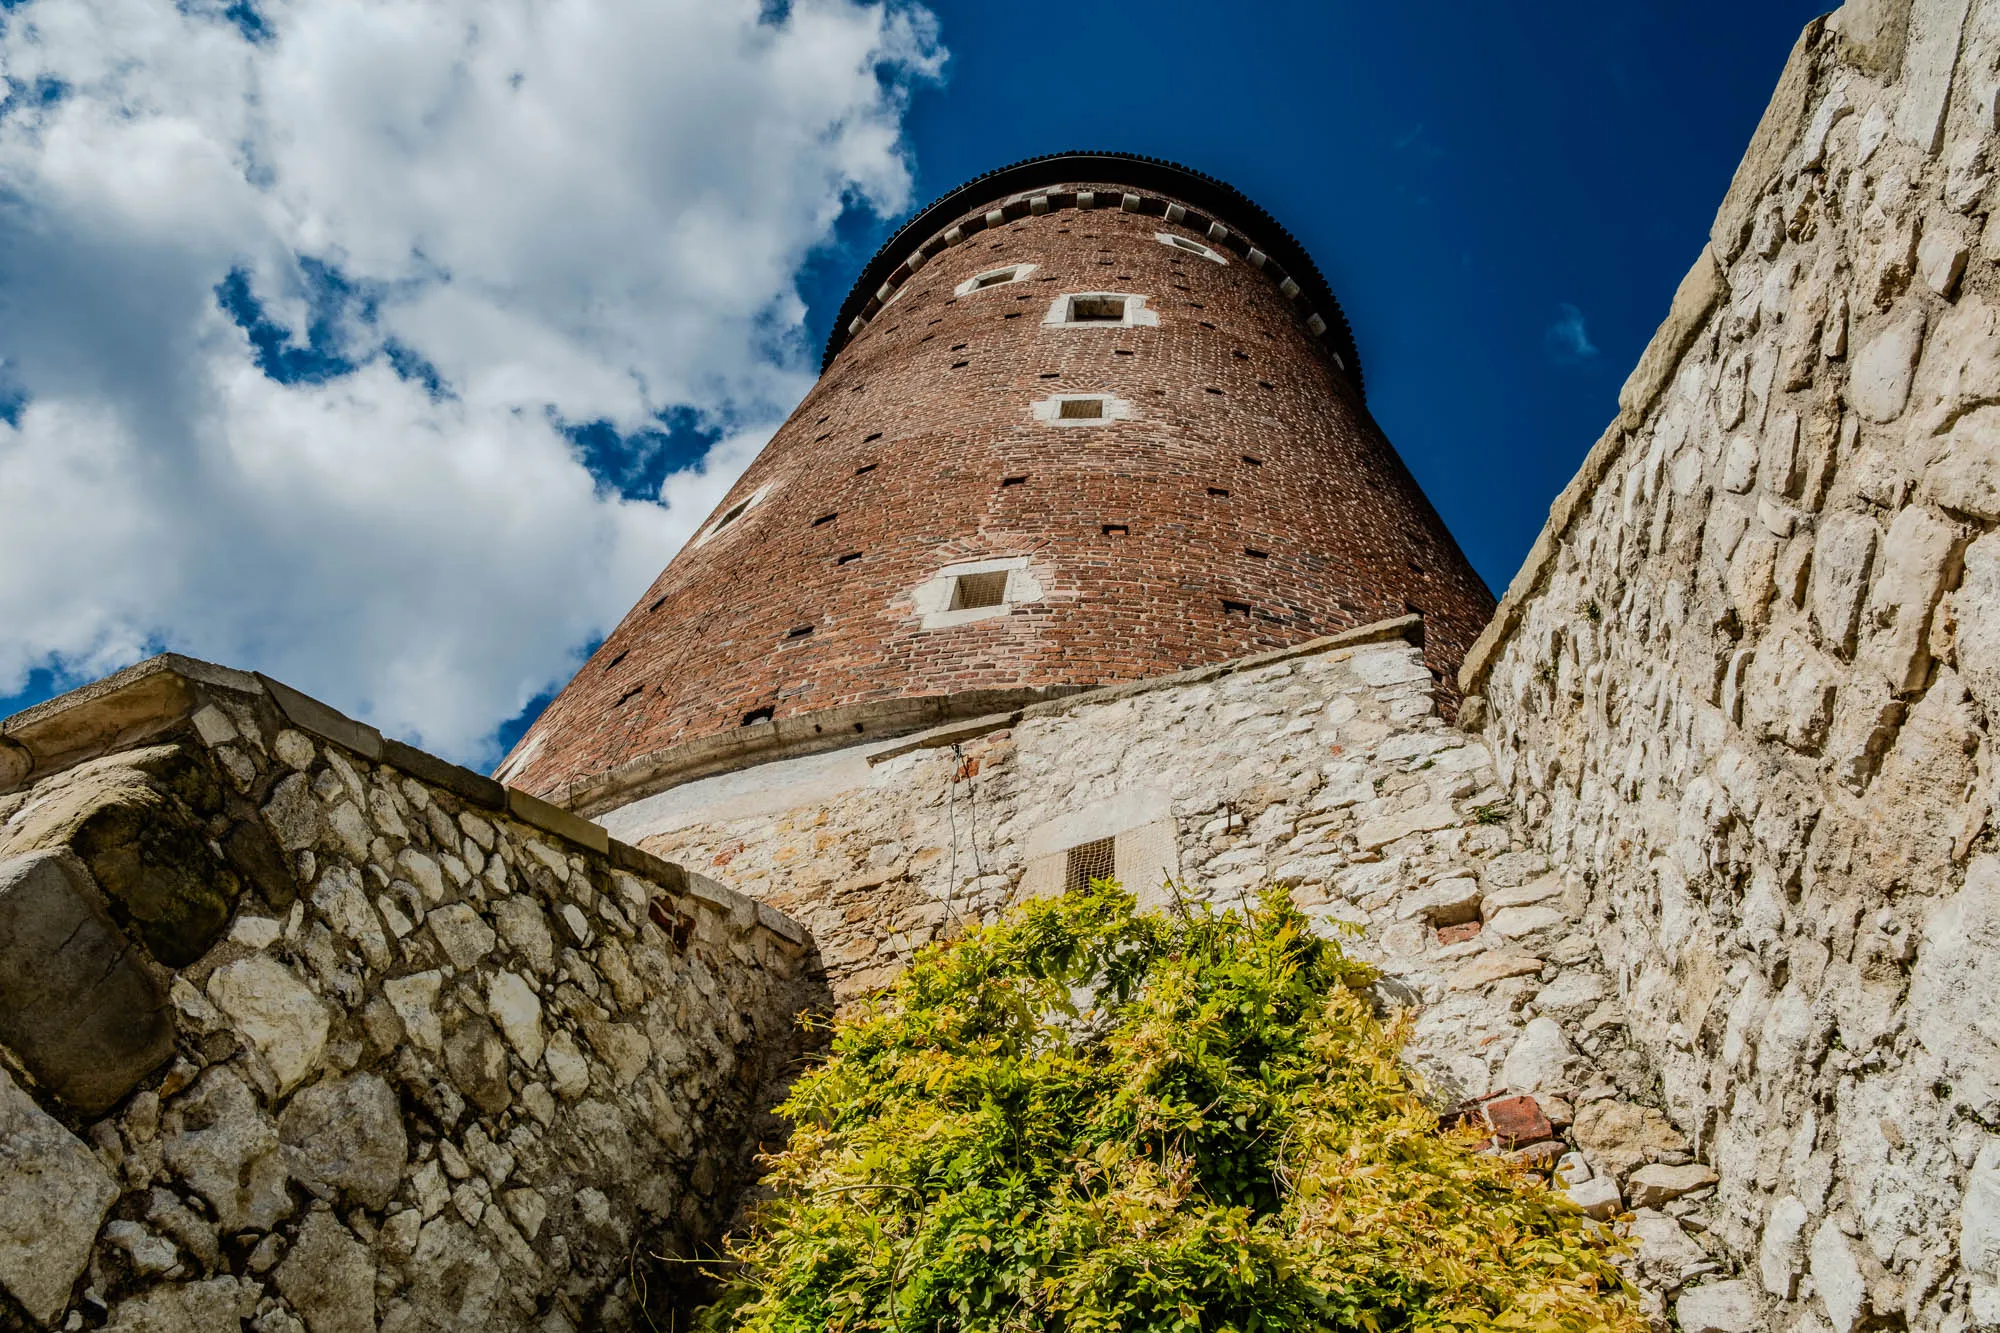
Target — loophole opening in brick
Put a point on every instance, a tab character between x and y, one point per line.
1082	409
1088	861
1096	309
994	279
971	592
756	715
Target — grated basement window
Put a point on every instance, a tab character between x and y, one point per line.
1089	861
1082	409
973	591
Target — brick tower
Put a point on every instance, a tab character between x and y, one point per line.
1085	419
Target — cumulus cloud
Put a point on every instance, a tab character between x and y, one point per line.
1567	341
301	309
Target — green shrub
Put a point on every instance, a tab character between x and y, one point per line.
1085	1119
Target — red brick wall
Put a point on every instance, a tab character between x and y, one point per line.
1229	371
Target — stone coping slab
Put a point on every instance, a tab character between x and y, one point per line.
1406	629
150	698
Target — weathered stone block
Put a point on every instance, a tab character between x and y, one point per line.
1619	1135
1842	557
145	848
53	1195
283	1019
346	1135
1659	1182
329	1278
78	1003
229	1153
1966	474
1719	1307
1886	365
1915	562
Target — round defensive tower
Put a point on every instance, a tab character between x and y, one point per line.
1086	419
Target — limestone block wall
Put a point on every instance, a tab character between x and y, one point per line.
302	1029
1748	684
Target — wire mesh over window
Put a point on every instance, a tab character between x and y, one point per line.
1088	861
972	591
1096	309
1082	409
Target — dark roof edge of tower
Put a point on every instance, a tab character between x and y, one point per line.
1205	192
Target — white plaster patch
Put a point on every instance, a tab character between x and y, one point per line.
932	598
1049	411
1191	247
1005	276
1062	312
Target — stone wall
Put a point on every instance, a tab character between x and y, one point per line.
1325	767
1746	686
304	1029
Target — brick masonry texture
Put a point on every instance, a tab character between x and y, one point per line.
1138	531
345	1037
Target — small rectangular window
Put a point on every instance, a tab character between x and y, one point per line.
824	519
994	279
871	438
971	592
1218	492
1117	530
1253	462
798	631
1096	309
865	469
849	558
1256	554
1013	481
1089	861
1230	608
1082	409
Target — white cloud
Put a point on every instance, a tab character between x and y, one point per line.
573	210
1567	340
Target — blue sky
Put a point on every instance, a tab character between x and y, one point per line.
393	351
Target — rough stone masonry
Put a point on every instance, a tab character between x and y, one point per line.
1747	689
307	1030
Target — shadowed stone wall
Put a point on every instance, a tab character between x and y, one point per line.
302	1029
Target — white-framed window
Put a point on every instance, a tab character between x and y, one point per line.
1082	409
1172	241
1099	310
730	516
993	277
975	590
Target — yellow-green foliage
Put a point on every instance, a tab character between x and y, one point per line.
1086	1120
